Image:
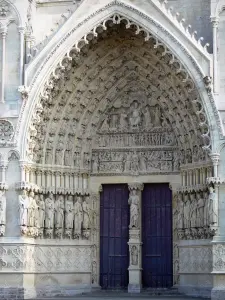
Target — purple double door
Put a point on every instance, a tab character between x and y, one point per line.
114	235
157	236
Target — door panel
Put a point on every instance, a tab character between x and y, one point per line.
157	236
114	235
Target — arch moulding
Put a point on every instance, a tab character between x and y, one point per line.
41	82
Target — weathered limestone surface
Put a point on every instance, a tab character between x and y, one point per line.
100	92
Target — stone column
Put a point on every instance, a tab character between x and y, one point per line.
3	33
215	23
135	238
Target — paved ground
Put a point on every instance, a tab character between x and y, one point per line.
123	296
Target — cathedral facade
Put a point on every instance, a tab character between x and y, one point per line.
112	145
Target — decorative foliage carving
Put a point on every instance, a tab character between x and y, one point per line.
6	132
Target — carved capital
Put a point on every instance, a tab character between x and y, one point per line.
215	157
136	186
215	21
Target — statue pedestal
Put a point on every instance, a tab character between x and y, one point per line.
135	284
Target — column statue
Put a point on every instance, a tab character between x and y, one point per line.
59	212
69	212
2	212
134	256
49	212
23	208
41	210
200	209
32	208
86	213
78	217
134	210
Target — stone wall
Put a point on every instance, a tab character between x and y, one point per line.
195	257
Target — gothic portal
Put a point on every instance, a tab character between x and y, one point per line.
113	153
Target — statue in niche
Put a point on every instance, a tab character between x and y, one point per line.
49	212
67	158
123	120
135	162
76	159
86	213
41	210
114	122
135	116
69	212
48	158
95	164
78	217
2	208
23	207
134	256
180	212
193	210
134	210
32	208
147	117
143	162
127	163
157	117
186	211
59	212
58	157
188	156
212	217
200	209
105	124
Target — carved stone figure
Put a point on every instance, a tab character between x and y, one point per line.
58	157
127	162
76	159
41	210
157	117
212	216
147	117
69	212
23	208
193	210
135	117
48	157
2	208
86	213
123	120
59	212
49	212
200	208
32	208
134	209
180	210
67	158
78	217
95	164
186	211
134	255
105	124
143	163
135	162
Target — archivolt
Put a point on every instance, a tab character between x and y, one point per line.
94	71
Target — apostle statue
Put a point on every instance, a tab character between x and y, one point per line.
23	208
86	213
2	208
212	216
200	208
69	212
134	210
180	212
2	212
78	217
41	210
49	211
59	212
32	208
